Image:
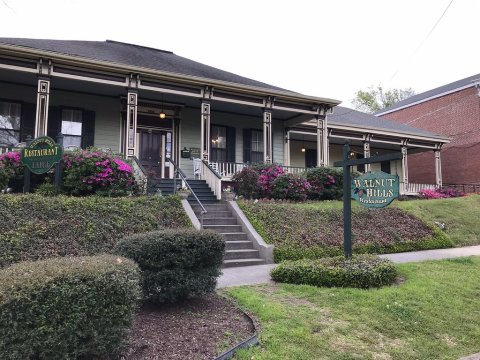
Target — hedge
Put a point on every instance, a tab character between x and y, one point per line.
361	271
301	231
67	308
34	227
175	264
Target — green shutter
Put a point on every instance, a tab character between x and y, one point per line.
247	145
54	125
231	144
88	129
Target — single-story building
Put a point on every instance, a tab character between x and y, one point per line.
161	109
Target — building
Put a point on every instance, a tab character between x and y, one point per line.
452	110
161	110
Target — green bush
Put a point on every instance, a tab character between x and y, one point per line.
361	271
246	183
67	308
175	263
11	171
325	183
290	187
36	227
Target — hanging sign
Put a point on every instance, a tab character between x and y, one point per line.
375	189
42	154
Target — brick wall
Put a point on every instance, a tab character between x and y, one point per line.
457	116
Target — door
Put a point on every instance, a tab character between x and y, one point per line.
310	158
150	154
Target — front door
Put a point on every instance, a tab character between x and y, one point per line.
310	158
150	154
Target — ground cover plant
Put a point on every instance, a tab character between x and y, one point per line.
459	217
67	308
432	314
36	227
315	229
175	263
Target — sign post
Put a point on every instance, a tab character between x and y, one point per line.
371	190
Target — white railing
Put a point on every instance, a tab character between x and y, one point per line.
227	169
213	179
5	149
414	189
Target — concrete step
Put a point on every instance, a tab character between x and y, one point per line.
241	254
210	207
234	236
220	221
238	244
214	214
204	202
224	228
242	262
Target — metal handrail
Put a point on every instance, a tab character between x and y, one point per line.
182	175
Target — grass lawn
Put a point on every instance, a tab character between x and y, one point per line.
434	314
460	215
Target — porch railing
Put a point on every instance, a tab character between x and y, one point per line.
212	177
414	188
226	170
5	149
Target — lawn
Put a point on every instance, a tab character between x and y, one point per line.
433	314
461	216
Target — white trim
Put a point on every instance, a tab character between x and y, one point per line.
426	99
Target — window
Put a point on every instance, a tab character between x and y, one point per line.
9	123
257	146
219	144
72	127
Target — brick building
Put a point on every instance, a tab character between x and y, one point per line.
454	111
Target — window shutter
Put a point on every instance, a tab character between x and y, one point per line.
88	129
54	122
231	144
28	121
247	145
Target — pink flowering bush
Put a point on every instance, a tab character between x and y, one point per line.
97	172
441	193
266	177
325	183
290	187
11	170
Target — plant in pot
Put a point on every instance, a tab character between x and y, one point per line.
228	194
183	192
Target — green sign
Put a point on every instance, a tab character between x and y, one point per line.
375	189
41	155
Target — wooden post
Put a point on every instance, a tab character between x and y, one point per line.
26	171
347	203
59	166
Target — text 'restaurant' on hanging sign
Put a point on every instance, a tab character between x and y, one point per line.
41	155
376	189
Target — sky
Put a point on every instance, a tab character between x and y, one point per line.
324	48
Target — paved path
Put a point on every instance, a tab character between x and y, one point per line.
259	274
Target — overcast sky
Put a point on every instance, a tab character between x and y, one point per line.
323	48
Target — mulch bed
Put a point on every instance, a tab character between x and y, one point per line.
200	328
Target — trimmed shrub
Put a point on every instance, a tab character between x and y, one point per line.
175	263
246	183
290	187
267	175
361	271
94	171
325	183
35	227
67	308
11	171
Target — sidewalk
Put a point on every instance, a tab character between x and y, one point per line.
259	274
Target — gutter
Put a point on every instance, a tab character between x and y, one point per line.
188	79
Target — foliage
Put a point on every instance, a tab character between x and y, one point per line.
376	98
246	183
361	271
314	230
290	187
11	170
47	188
35	227
66	308
175	263
267	175
432	314
326	183
94	171
442	193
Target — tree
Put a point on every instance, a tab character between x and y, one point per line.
375	98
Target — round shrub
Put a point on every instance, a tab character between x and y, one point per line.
11	171
67	308
290	187
175	263
246	183
325	183
361	271
267	175
95	171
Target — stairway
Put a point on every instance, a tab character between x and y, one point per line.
239	250
200	187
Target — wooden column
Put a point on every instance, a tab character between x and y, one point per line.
438	169
43	100
404	166
205	132
320	141
286	150
267	136
366	152
131	125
